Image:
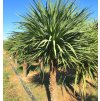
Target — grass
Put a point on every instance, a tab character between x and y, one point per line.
9	92
13	91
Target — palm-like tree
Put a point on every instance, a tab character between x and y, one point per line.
56	34
18	50
87	53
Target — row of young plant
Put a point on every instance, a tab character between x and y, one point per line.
58	34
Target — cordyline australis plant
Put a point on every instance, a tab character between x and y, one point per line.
88	55
19	50
58	33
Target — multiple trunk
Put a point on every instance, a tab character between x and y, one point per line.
53	85
25	66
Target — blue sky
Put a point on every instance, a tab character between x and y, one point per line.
11	9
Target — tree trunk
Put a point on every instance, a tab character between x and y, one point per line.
16	64
25	67
53	85
41	64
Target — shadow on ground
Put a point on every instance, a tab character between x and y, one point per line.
92	98
43	79
63	80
